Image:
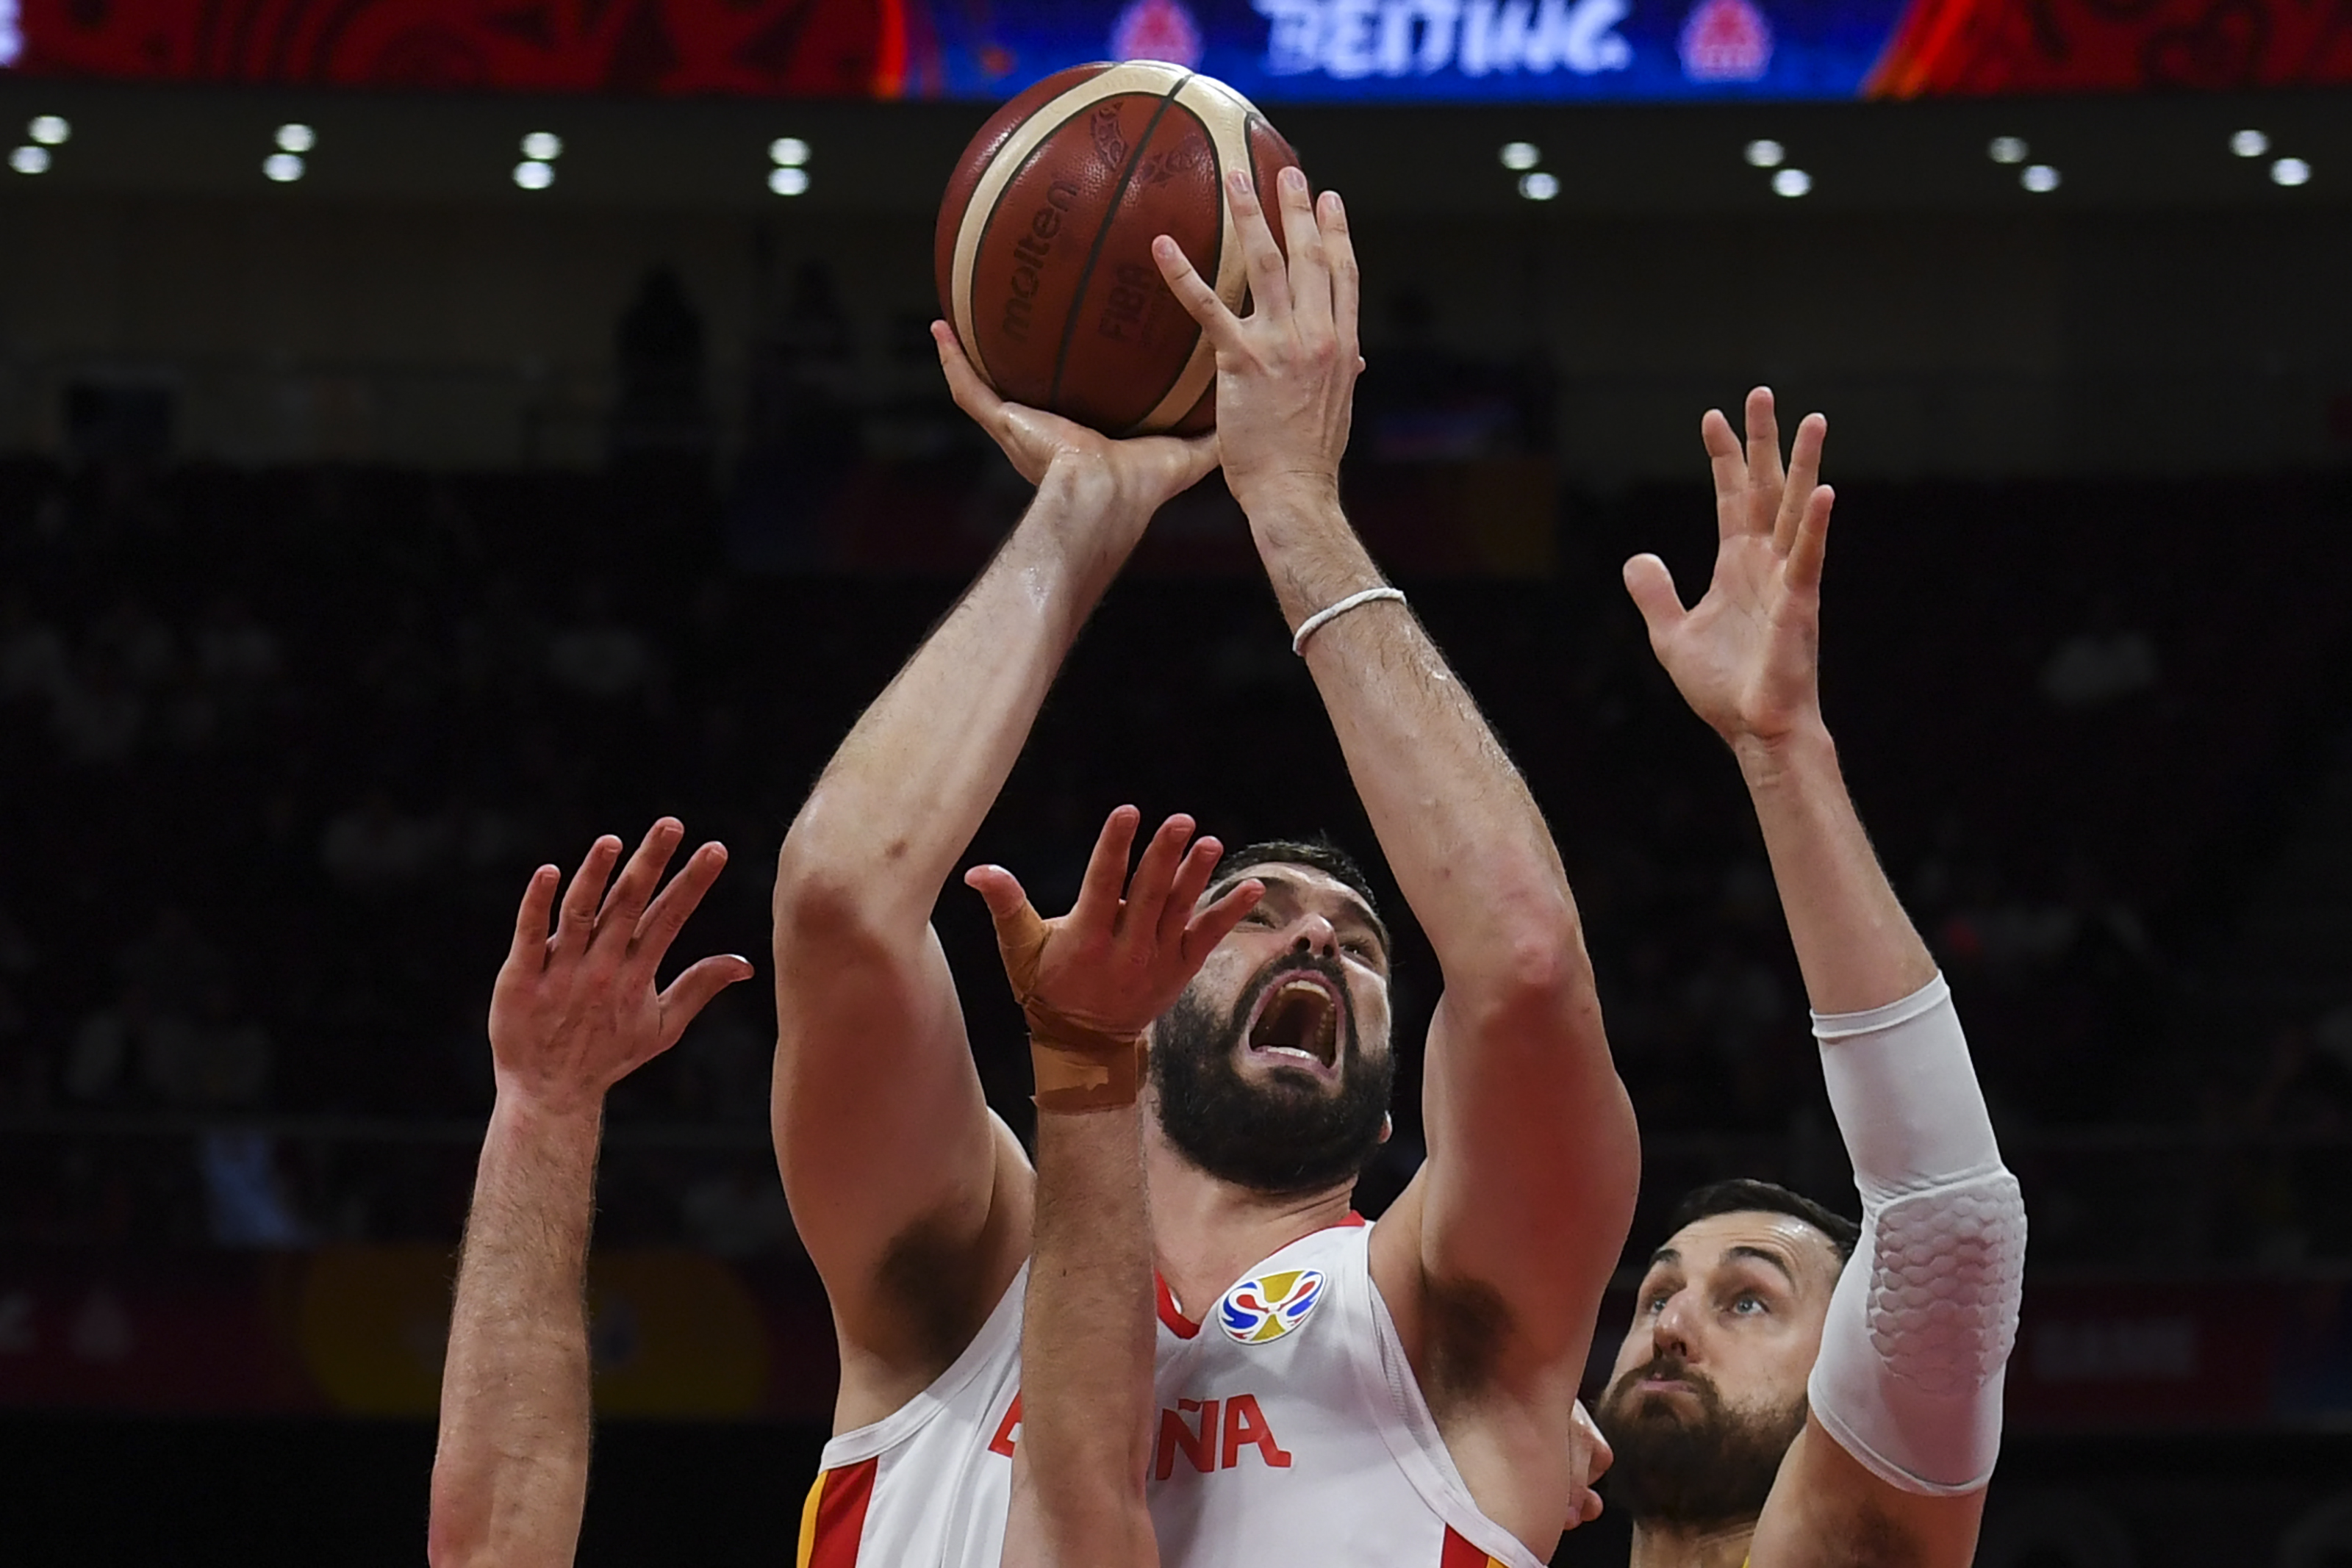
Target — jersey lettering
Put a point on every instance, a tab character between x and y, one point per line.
1246	1426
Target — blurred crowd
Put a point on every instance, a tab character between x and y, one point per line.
278	750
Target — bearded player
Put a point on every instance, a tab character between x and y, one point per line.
1325	1390
1794	1390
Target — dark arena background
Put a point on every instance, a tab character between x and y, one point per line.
432	432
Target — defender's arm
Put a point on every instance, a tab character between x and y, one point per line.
572	1015
912	1200
1905	1404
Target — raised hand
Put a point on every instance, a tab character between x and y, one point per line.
576	1011
1286	373
1115	963
1745	657
1144	472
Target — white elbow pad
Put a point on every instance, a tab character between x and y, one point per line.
1923	1317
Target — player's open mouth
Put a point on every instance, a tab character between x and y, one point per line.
1297	1023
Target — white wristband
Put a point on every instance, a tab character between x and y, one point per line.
1315	623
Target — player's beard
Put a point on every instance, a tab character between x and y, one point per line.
1288	1133
1677	1469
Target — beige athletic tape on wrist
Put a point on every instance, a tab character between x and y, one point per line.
1102	1074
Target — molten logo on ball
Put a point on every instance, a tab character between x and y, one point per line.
1030	254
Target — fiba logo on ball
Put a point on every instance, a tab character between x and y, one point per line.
1156	31
1259	1311
1726	40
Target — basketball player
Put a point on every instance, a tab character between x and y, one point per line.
1795	1391
1325	1391
573	1012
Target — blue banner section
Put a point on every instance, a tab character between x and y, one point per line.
1295	51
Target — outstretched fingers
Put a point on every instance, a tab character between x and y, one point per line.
1810	546
1729	465
578	921
1653	589
666	916
1347	281
1804	477
1214	924
1155	874
692	991
1098	905
1765	480
634	890
1309	272
530	947
1191	882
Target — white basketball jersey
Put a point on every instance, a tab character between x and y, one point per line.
1290	1430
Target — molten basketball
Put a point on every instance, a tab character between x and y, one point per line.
1044	248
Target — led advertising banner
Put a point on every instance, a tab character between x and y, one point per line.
1278	51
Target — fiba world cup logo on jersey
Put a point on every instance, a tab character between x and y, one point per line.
1269	1306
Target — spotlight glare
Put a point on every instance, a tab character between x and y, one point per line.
29	160
1539	186
296	139
542	147
49	129
282	167
2006	150
789	151
1764	153
2250	143
1791	183
2290	172
1520	156
534	175
788	182
2039	178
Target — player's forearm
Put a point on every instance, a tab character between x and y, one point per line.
510	1474
1855	946
903	796
1460	832
1086	1335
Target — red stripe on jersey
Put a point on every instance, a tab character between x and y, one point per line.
1353	1221
837	1516
1170	1313
1459	1553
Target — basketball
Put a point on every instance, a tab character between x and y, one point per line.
1044	245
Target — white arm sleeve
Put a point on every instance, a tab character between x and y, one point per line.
1921	1327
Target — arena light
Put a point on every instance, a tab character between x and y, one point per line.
789	151
2039	178
542	147
1791	183
2290	172
284	168
1520	157
29	160
2250	143
1539	186
1764	153
49	129
788	182
296	139
2006	150
532	174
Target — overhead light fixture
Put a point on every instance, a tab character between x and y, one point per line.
49	129
542	147
1791	183
2290	172
2006	150
1539	186
2039	178
285	168
29	160
2249	143
1764	153
296	139
532	174
789	151
1520	156
788	182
